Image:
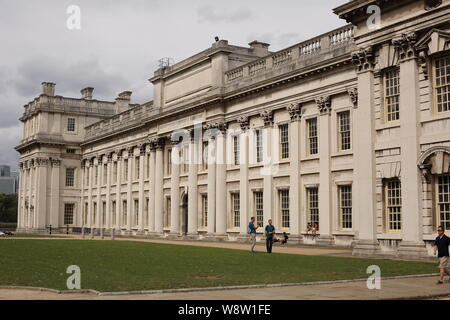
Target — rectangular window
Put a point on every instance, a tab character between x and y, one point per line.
125	170
68	213
124	213
284	208
284	141
71	125
393	205
259	208
94	213
236	207
313	140
71	151
86	175
114	175
137	168
442	83
205	156
392	95
443	201
147	206
345	207
136	213
95	175
345	140
313	206
259	146
103	213
85	215
185	158
205	210
114	213
236	150
147	167
167	213
70	177
105	174
169	162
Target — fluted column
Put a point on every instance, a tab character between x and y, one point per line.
294	192
175	191
117	223
211	186
90	205
193	188
20	198
54	193
244	182
99	213
41	194
108	222
130	206
159	186
141	189
221	185
151	209
324	104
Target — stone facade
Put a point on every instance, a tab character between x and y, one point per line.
348	133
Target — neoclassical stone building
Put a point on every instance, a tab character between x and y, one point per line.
349	131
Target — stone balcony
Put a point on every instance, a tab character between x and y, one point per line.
306	54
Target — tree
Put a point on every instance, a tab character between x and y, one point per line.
8	207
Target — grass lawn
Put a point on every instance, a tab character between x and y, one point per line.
124	265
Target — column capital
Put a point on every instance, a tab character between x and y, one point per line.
324	105
295	111
364	59
42	162
267	116
405	46
157	143
244	122
55	162
220	126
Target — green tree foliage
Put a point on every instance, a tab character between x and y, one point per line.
8	207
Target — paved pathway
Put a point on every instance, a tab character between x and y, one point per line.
410	288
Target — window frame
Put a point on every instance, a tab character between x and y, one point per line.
391	204
284	137
236	209
389	93
439	203
313	141
285	219
72	184
259	207
66	206
346	133
345	205
436	87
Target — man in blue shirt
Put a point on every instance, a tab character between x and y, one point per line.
252	231
270	231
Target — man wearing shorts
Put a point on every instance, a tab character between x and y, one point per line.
441	245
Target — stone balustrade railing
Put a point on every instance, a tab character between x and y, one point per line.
304	50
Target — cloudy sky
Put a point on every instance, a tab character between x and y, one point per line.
120	42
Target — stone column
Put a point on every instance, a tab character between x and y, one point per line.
295	113
130	205
54	194
325	210
118	190
211	186
151	209
175	191
364	192
108	222
221	185
267	171
41	194
90	205
99	193
19	198
159	186
193	188
410	131
141	189
244	183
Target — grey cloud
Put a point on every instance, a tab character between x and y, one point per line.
211	14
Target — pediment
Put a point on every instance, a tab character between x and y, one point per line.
434	41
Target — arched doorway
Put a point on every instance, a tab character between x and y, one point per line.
184	214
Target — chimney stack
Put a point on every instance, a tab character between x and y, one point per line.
48	88
261	49
123	101
86	93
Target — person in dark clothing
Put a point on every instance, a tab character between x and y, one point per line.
285	238
441	245
270	232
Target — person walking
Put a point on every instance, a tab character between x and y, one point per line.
252	231
441	245
270	232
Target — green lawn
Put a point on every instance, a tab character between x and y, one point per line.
123	265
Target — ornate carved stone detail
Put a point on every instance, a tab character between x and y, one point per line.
353	93
41	162
244	122
406	46
267	116
423	62
364	59
295	111
55	162
426	173
157	143
324	104
218	125
130	151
